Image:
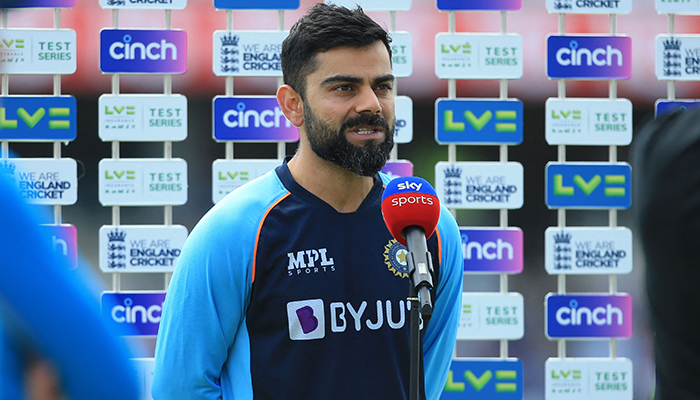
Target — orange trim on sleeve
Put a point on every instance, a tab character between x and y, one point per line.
439	246
257	237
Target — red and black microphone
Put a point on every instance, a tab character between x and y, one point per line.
411	211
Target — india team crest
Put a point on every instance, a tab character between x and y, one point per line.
395	258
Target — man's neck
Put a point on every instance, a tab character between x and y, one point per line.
341	189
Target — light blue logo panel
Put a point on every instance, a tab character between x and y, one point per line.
256	4
482	121
484	379
38	118
589	185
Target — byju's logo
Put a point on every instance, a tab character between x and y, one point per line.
256	4
479	121
484	379
589	185
141	310
306	319
588	315
479	5
38	118
255	119
589	57
492	250
143	51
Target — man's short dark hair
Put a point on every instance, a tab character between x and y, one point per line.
325	27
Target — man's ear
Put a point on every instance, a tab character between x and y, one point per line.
291	104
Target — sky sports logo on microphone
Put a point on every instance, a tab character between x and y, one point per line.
588	316
589	57
143	51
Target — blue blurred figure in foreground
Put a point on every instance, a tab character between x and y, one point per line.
53	343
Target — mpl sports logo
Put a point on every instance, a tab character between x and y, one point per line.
484	379
492	250
588	316
588	379
125	51
589	6
311	261
588	185
589	57
139	310
479	121
248	53
480	185
307	318
587	251
38	118
256	4
38	3
144	4
479	5
251	119
678	6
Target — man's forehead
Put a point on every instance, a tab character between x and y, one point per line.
371	62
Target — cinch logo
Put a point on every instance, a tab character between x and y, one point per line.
126	50
307	321
595	57
256	118
132	314
240	118
141	311
309	261
600	56
256	4
481	380
492	250
589	185
575	315
602	316
143	51
479	121
492	5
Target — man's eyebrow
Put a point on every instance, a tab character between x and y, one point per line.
355	79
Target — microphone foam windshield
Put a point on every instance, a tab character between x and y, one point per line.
410	201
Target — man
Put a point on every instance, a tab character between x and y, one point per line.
292	287
666	162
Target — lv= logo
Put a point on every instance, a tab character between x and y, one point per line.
478	383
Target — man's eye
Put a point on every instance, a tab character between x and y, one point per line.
386	87
343	88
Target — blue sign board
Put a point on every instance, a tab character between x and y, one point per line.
251	119
484	379
589	185
479	5
589	57
38	118
256	4
588	316
480	121
143	51
663	106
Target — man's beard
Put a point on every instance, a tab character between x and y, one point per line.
335	148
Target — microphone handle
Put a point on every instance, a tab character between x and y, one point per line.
420	267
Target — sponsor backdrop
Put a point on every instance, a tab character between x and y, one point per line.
143	107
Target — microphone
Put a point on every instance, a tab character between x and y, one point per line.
411	211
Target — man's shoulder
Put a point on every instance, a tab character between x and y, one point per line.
246	205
